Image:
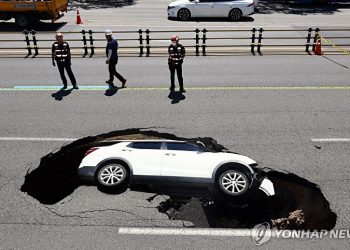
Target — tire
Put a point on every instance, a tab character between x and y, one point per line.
233	182
22	20
112	176
183	14
235	14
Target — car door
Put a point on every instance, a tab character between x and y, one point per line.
145	157
186	160
203	8
221	8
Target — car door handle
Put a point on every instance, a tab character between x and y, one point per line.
127	150
170	154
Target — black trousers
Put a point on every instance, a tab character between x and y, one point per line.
66	65
178	69
113	71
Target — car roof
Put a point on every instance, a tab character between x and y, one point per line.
148	140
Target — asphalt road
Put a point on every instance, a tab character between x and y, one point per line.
267	107
307	98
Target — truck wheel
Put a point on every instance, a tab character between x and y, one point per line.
22	20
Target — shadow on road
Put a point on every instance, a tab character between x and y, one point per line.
111	91
59	95
176	97
100	4
293	7
9	26
214	19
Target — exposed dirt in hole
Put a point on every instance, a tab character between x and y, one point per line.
298	203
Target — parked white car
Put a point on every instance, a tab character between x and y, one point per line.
171	167
234	10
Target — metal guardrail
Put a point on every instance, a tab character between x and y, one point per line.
197	42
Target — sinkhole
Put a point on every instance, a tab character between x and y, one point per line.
297	204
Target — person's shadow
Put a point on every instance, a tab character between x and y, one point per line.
176	97
59	95
111	91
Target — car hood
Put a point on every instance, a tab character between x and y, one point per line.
235	157
178	2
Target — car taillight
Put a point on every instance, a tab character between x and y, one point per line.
90	151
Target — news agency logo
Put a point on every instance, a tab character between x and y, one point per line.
263	232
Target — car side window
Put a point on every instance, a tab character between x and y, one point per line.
182	146
145	145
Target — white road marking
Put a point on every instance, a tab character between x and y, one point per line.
189	231
48	139
331	140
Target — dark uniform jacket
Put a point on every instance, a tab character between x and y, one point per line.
112	45
176	54
61	52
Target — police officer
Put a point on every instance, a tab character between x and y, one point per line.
112	59
176	56
61	54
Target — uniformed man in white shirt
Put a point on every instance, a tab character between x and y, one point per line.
62	57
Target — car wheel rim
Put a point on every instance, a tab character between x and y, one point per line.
22	21
233	182
112	174
184	15
235	15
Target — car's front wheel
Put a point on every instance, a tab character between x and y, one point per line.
235	14
183	14
112	175
233	182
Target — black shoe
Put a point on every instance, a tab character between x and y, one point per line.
64	87
110	83
182	90
124	83
172	89
75	87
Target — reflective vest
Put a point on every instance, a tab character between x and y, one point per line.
61	52
176	54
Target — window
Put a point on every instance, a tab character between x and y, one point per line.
145	145
182	146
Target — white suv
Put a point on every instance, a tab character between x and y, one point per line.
171	167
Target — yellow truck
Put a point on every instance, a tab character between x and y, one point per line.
29	12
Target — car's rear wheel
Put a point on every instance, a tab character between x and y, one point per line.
112	175
233	182
183	14
235	14
22	20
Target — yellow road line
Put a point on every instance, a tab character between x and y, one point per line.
205	88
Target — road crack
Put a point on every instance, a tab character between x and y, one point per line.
112	210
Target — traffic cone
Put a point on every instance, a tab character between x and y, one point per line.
78	18
318	48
